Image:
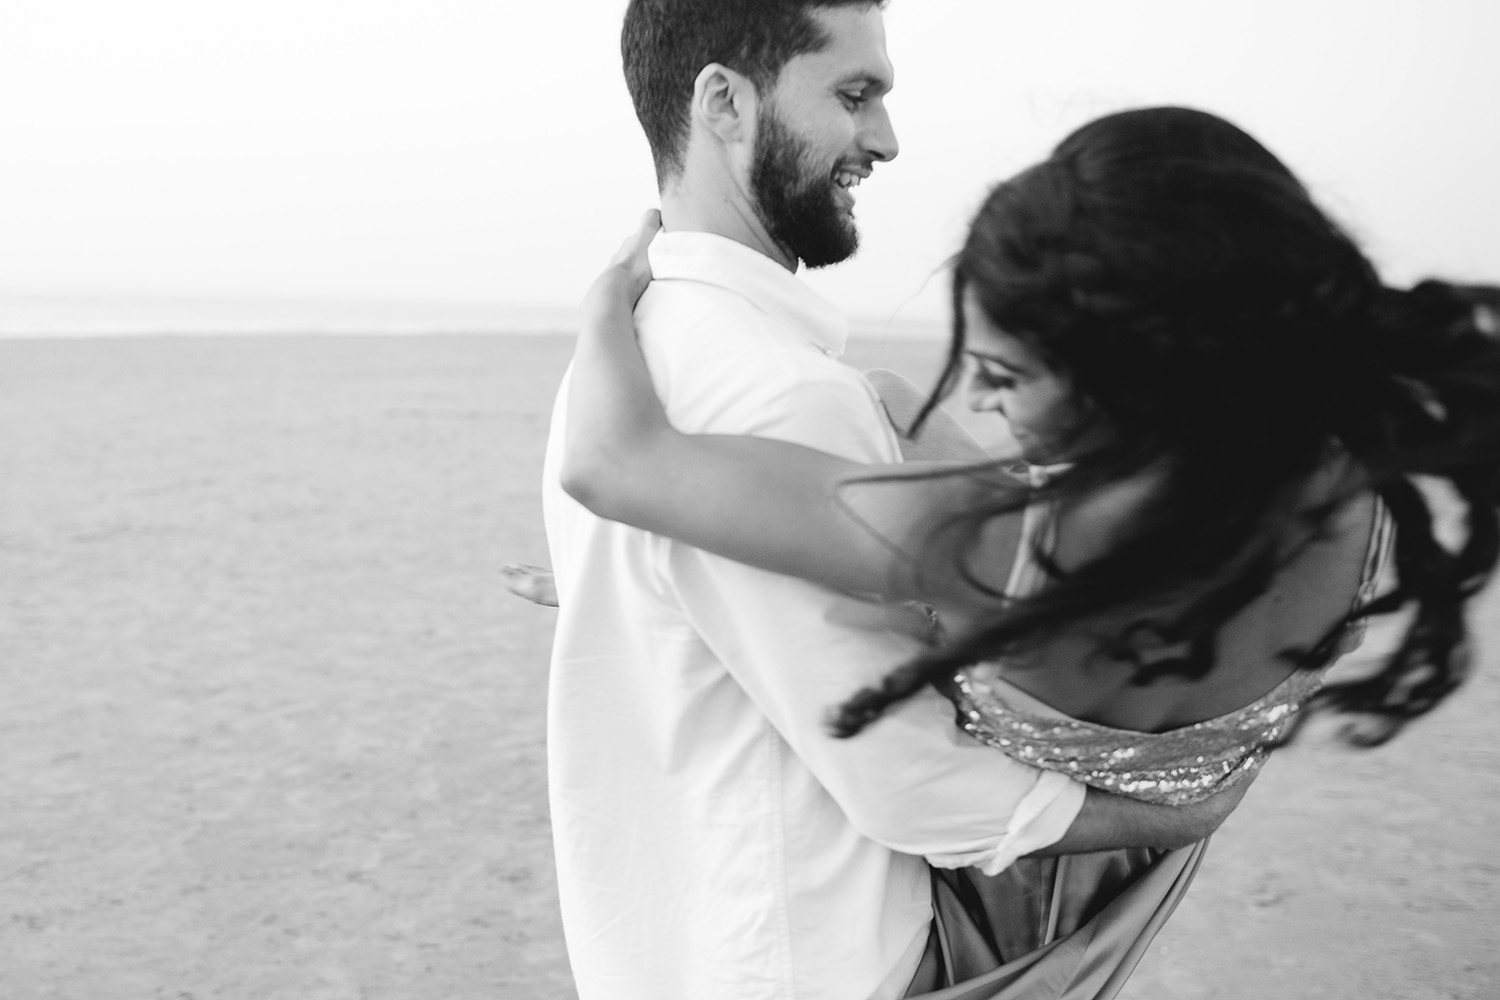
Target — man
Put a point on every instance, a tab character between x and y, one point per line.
712	840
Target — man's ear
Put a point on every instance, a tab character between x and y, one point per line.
725	102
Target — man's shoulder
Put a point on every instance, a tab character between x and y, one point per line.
685	310
722	364
698	327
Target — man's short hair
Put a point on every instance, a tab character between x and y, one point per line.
666	43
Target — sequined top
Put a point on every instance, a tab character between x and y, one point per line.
1176	767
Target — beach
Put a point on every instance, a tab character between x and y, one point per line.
273	729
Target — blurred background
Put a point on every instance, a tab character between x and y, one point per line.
466	164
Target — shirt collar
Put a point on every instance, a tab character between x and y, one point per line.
717	260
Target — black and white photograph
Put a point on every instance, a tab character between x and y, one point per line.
749	500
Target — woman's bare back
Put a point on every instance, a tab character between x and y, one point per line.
1306	599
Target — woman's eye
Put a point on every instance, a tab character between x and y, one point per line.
993	380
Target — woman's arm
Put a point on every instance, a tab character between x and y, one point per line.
771	504
940	438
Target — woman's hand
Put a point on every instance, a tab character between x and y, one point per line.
625	279
613	411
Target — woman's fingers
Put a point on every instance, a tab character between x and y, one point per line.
632	253
629	271
631	258
650	225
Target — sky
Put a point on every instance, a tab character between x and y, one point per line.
444	159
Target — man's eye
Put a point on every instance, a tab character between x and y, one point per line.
852	100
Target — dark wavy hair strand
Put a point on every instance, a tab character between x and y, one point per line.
1220	325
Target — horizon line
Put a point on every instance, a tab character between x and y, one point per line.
42	316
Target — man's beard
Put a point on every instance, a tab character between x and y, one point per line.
795	200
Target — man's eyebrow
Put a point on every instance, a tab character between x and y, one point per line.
867	81
998	359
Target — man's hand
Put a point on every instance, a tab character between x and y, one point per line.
1108	821
531	582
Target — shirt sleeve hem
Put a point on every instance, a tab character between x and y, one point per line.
1041	819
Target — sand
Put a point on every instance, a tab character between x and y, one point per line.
272	727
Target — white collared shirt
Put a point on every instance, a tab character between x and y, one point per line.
713	841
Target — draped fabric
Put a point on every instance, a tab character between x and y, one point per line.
1066	928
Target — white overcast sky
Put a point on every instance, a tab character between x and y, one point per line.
484	151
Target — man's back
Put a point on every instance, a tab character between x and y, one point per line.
698	855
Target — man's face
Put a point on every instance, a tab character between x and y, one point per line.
820	131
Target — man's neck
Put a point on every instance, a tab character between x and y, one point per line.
686	207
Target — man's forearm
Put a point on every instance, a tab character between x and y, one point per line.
1107	822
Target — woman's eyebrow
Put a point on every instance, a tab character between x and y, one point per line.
999	360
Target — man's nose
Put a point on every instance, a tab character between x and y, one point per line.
880	138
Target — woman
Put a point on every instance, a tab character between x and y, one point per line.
1223	409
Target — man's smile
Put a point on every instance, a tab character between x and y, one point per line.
846	180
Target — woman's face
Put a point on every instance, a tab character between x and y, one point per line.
1008	377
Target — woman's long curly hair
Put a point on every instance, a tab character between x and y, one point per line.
1223	328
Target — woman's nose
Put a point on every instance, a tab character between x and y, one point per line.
983	400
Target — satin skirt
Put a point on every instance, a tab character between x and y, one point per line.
1066	928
